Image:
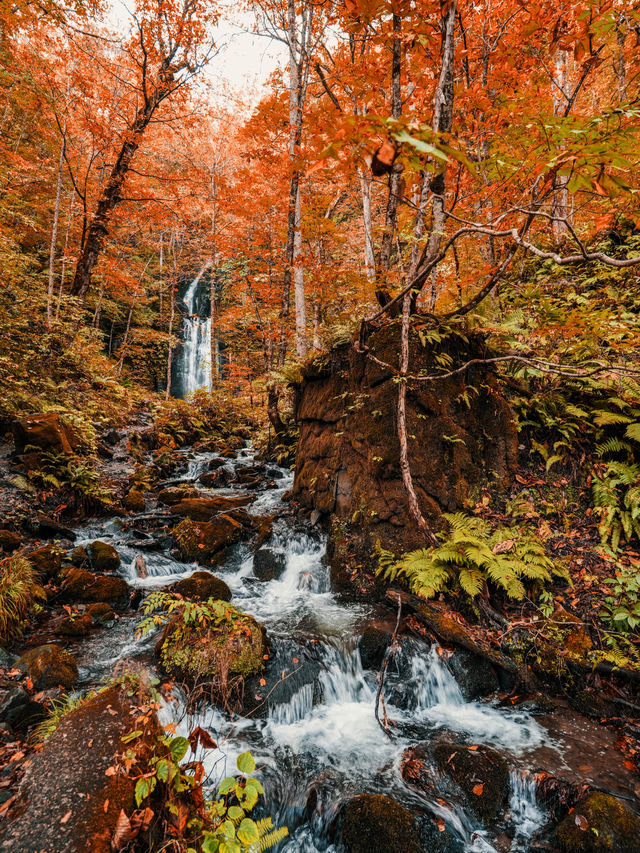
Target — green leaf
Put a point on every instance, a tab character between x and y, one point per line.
131	736
235	812
246	763
228	829
162	770
248	832
178	747
226	786
421	146
210	844
229	846
144	787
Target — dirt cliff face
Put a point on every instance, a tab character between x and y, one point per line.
462	432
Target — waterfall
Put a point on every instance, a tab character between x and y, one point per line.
194	367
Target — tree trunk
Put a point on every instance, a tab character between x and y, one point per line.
54	235
369	251
298	283
63	269
111	196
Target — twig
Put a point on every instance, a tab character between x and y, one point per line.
385	725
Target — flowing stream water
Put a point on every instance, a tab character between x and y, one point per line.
322	744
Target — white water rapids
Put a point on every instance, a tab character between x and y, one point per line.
323	745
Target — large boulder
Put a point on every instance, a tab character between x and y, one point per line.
9	541
474	674
268	565
174	494
83	586
134	501
70	797
202	586
599	823
204	509
480	772
374	823
462	433
46	432
49	666
220	654
45	560
104	557
17	709
203	540
373	645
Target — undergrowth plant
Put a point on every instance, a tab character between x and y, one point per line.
20	594
75	475
473	559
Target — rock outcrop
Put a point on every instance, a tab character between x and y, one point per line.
461	431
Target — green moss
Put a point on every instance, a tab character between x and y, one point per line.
201	586
599	824
373	823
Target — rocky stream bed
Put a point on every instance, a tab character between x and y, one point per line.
458	770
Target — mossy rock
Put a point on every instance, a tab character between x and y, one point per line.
9	541
104	557
134	501
175	494
73	626
202	540
373	645
599	823
49	666
84	586
201	586
79	556
374	823
100	612
480	772
221	654
269	565
46	561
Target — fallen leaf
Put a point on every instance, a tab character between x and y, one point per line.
66	817
440	824
123	833
106	806
110	771
478	789
581	822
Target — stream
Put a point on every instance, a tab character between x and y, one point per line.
323	745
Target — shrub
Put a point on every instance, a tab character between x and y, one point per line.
20	593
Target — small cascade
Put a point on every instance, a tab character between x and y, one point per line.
297	708
526	814
194	366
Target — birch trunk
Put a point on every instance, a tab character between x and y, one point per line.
54	236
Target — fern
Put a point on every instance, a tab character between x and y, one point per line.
473	558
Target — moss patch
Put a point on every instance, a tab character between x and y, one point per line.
599	824
373	823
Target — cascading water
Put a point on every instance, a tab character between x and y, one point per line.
194	364
320	742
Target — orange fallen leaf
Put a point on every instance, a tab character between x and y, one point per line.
106	806
66	817
581	822
478	789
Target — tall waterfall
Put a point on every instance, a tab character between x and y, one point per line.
194	365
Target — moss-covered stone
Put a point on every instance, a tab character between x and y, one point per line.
79	556
219	654
9	541
49	666
100	612
599	823
202	540
175	494
73	626
374	823
201	586
84	586
134	501
46	561
480	772
104	557
205	508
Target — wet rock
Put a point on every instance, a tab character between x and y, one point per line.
416	770
593	704
372	646
435	839
48	528
204	509
215	479
100	612
104	557
599	823
73	626
49	666
111	436
18	710
45	560
216	463
374	823
538	704
134	501
268	565
475	675
67	802
203	540
219	655
291	685
45	432
79	556
201	586
9	541
174	495
480	772
84	586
